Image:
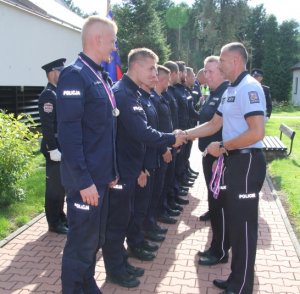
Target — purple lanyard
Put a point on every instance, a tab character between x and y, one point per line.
108	90
214	184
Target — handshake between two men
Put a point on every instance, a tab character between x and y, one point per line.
181	137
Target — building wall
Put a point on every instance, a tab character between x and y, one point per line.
296	87
29	41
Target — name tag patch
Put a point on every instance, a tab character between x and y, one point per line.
247	196
231	99
137	108
253	97
71	93
82	206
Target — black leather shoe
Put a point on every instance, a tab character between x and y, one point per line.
59	229
124	280
153	236
181	201
140	253
193	172
173	212
227	292
150	247
212	260
221	284
166	219
187	184
185	189
182	193
175	206
159	230
191	176
205	216
204	253
134	270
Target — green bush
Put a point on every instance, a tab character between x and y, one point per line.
17	144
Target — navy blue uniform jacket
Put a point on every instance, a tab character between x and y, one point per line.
133	133
47	111
86	127
183	108
151	158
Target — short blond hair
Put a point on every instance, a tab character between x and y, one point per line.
95	19
212	58
141	53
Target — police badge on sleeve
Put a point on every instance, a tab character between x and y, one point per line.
253	97
48	107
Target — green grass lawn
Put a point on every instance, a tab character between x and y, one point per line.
285	172
19	213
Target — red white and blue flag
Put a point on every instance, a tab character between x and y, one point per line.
114	66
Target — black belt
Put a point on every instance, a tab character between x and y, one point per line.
244	151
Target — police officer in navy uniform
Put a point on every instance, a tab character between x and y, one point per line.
55	193
163	211
86	112
138	227
133	135
171	187
258	75
218	249
243	166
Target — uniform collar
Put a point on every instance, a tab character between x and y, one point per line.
130	83
90	62
51	86
144	93
239	79
219	89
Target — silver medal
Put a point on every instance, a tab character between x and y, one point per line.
115	112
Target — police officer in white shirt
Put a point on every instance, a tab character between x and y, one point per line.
241	113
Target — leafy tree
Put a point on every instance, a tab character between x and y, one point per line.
140	26
271	58
287	53
255	35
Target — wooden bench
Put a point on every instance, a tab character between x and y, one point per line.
274	147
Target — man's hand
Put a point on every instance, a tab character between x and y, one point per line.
142	179
214	149
181	138
55	155
90	195
167	156
113	183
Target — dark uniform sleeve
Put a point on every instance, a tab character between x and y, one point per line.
47	111
70	110
268	100
134	120
193	114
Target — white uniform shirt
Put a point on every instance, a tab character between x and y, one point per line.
243	98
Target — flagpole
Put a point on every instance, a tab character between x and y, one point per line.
108	6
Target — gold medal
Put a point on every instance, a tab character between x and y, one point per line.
115	112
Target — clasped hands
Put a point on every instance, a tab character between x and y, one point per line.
181	138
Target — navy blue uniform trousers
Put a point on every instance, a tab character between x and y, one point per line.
86	235
220	243
244	175
121	205
55	194
142	200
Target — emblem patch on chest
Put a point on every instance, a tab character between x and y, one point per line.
231	99
253	97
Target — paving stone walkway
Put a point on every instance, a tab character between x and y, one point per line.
30	260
